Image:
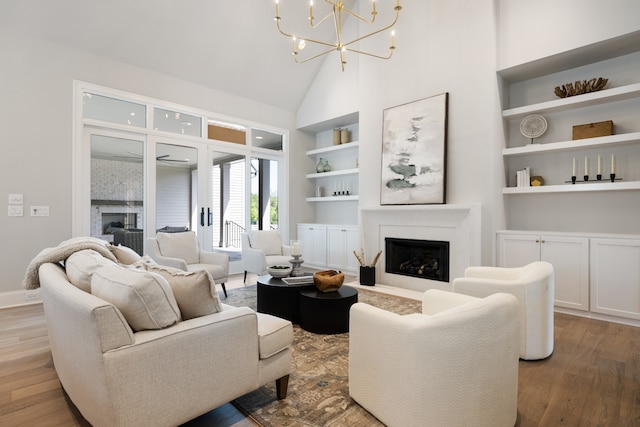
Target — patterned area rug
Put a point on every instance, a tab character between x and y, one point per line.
318	386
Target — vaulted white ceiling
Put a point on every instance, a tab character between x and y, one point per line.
232	46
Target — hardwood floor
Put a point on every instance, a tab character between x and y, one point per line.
591	379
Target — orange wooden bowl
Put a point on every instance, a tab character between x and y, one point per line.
328	280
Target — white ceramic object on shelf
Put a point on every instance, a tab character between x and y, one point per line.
533	126
279	271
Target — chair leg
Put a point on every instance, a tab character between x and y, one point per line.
282	384
224	289
245	277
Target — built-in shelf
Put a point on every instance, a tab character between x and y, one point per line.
625	138
332	199
334	148
572	188
333	173
578	101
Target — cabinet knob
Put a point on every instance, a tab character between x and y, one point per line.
537	241
543	241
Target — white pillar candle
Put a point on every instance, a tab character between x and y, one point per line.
599	165
295	250
586	165
573	173
613	164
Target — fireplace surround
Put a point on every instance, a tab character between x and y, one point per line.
460	225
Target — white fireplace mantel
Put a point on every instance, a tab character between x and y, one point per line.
458	224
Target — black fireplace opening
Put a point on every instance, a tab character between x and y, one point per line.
426	259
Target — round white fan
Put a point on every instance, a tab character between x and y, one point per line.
533	126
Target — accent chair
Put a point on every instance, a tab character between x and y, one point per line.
534	286
454	364
182	250
261	249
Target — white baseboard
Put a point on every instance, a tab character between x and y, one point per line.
21	297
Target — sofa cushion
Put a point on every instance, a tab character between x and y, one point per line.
145	299
269	241
179	245
81	265
194	291
274	334
124	254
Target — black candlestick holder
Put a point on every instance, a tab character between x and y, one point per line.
573	179
599	177
612	176
586	177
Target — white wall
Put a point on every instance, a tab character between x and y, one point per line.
36	124
529	30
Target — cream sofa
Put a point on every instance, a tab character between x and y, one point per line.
454	364
117	375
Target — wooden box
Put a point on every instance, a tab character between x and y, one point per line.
592	130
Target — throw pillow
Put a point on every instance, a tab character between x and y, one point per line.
195	291
144	298
269	241
81	265
124	254
179	245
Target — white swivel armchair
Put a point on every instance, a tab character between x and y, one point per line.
533	285
182	250
454	364
261	249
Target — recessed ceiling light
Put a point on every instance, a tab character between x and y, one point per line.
259	137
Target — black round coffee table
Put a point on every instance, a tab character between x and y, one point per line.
279	299
327	312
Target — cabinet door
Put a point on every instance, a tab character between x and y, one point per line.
314	244
335	247
516	250
615	277
570	259
341	242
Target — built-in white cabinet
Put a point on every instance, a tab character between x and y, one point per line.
615	277
569	255
529	90
329	246
341	242
314	244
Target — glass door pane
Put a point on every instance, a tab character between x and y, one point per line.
228	205
176	188
264	194
117	190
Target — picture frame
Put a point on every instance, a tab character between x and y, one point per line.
414	152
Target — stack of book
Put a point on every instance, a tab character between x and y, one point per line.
523	177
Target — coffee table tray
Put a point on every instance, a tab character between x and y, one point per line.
297	280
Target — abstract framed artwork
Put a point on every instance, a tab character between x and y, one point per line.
414	152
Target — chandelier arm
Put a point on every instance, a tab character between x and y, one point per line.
295	56
361	18
328	15
333	45
377	31
391	49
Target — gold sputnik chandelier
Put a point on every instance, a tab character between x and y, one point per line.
338	7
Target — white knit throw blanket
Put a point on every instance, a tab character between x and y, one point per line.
61	253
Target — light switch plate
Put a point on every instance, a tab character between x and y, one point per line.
39	210
16	199
15	210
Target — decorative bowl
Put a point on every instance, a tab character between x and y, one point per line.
279	271
328	280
